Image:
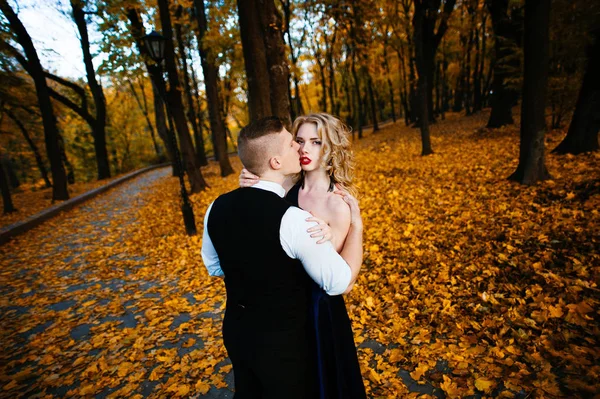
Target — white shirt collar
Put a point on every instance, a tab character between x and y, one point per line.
270	186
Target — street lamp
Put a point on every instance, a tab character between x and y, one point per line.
155	44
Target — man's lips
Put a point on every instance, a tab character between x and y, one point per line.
305	160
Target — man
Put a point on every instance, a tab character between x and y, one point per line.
259	243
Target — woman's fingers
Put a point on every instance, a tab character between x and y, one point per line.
247	179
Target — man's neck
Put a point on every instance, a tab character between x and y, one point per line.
273	177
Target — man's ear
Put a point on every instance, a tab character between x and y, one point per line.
274	163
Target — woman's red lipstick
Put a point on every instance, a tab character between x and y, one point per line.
305	160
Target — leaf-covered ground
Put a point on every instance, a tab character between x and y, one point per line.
471	285
30	199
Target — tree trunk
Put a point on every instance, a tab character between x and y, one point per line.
317	57
99	127
329	48
359	118
412	93
444	83
431	40
348	96
6	196
503	98
585	125
418	22
51	135
158	83
386	68
144	109
372	102
65	160
200	151
403	89
467	76
9	170
175	103
191	112
160	119
297	108
255	60
479	62
277	63
211	83
438	91
532	167
429	70
34	149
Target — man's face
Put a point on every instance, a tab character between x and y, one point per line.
290	158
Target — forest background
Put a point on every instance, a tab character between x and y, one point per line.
364	61
471	285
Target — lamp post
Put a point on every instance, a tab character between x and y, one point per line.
155	44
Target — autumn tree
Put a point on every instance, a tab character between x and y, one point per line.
175	103
267	69
35	70
143	105
136	28
582	135
19	103
532	166
99	125
17	120
296	107
506	26
211	84
6	195
427	40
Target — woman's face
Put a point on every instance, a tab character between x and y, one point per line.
310	146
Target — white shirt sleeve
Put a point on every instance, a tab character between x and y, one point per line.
209	254
321	262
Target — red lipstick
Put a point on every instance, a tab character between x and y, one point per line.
305	160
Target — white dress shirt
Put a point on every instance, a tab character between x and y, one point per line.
321	262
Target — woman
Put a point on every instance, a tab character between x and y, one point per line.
326	164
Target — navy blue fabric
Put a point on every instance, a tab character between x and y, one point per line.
338	370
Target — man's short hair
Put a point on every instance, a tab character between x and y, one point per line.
255	147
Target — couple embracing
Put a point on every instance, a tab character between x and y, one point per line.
286	329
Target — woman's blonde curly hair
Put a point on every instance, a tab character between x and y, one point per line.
336	156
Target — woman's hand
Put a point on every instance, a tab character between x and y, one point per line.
355	218
322	229
247	179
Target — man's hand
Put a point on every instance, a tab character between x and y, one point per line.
247	179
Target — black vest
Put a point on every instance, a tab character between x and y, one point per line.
265	287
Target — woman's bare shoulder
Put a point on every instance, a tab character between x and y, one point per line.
337	206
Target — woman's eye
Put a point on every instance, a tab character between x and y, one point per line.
317	142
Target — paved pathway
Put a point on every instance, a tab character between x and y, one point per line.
44	274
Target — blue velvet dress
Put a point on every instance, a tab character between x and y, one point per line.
338	370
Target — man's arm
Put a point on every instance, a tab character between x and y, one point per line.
209	254
321	262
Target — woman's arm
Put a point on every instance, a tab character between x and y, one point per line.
248	179
352	252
